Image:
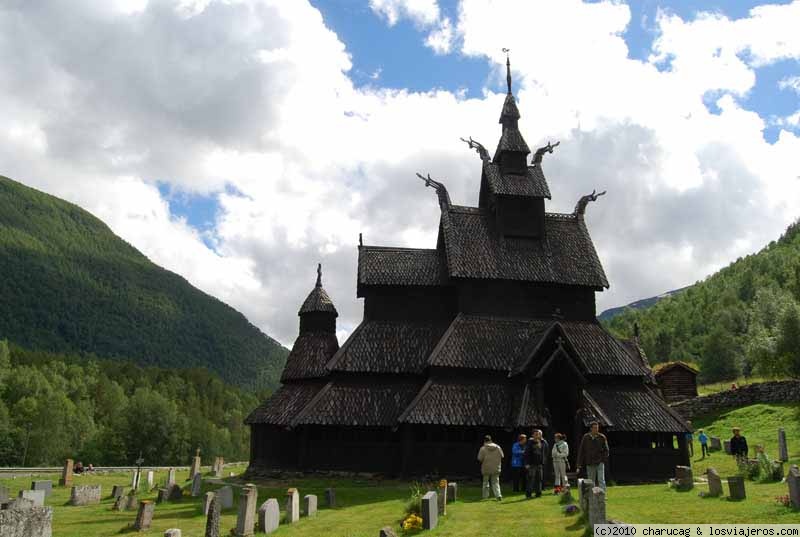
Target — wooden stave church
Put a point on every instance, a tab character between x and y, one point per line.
492	332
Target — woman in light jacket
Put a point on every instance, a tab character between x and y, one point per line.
560	462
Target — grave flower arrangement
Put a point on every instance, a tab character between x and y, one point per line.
571	509
412	523
783	500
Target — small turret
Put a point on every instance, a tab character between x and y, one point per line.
318	314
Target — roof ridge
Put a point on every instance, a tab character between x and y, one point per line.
399	248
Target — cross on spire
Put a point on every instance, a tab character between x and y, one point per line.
319	275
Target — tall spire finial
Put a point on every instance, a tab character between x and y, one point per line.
508	69
319	274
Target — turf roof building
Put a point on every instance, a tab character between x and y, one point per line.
493	331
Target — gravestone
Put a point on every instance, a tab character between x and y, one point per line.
292	506
684	480
197	484
452	491
727	445
310	505
29	522
441	496
85	495
174	532
783	448
246	519
3	494
212	519
117	491
144	517
36	496
269	516
170	477
21	504
163	495
597	508
714	483
135	480
207	502
46	486
150	479
387	532
131	501
66	474
219	466
225	497
736	487
195	468
119	503
793	480
330	497
430	510
716	444
175	493
585	487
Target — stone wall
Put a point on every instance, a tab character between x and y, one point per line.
782	391
31	522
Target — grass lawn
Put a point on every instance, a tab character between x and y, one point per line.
366	506
714	387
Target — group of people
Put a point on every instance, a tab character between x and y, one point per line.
531	455
738	443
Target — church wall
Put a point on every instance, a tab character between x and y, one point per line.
506	298
397	303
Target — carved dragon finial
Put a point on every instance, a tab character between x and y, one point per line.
477	146
580	208
539	155
441	190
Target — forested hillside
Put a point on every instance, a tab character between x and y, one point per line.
70	285
106	412
742	320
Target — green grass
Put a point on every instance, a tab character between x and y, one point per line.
366	506
715	387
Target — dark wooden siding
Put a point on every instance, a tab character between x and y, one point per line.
677	384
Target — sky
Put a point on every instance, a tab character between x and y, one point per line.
240	142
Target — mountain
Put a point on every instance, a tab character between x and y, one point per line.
641	304
743	319
70	285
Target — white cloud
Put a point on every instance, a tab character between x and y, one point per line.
250	102
790	82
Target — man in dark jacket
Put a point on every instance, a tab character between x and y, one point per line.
593	453
535	457
738	445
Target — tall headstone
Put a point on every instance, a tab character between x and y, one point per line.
135	477
170	477
219	466
716	444
597	508
330	497
441	496
736	487
727	445
430	510
684	479
46	486
163	495
195	468
36	496
150	479
783	448
207	502
292	506
225	497
117	491
120	502
585	487
3	494
85	495
197	484
131	501
144	517
310	505
174	532
793	480
246	519
452	491
175	493
714	483
66	474
212	519
269	516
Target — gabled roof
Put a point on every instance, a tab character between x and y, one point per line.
379	265
660	369
482	342
630	408
387	347
533	184
600	352
284	404
565	255
309	356
358	404
472	403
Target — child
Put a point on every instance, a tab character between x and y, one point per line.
701	436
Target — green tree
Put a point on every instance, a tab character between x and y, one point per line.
787	347
719	357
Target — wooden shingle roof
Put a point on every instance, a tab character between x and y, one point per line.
284	404
378	346
565	255
532	184
630	408
471	403
309	356
359	403
379	265
600	352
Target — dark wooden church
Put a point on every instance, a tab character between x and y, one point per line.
493	331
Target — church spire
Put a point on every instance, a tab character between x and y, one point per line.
512	151
319	275
508	70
